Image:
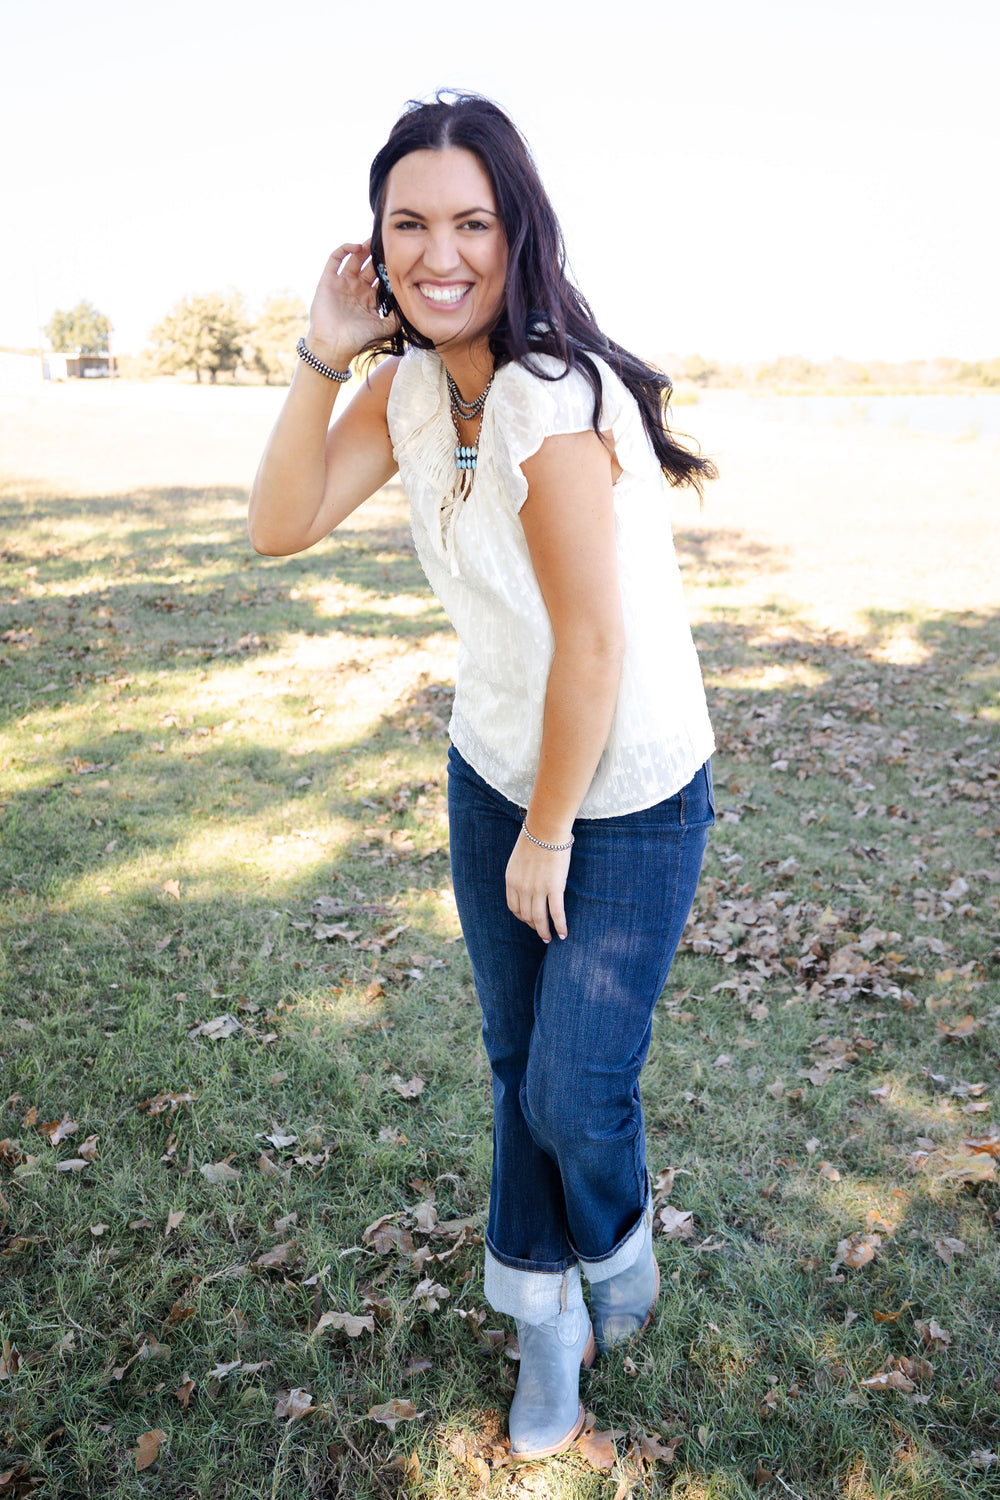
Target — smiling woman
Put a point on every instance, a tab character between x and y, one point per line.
445	260
534	452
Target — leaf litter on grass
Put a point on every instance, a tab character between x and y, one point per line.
809	952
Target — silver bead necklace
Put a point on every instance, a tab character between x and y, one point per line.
466	454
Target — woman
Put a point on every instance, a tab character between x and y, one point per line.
534	453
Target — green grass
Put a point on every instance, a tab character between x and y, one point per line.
197	747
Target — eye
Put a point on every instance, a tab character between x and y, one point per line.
475	224
406	224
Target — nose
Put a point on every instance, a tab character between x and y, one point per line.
441	253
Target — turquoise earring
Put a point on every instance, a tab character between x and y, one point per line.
384	278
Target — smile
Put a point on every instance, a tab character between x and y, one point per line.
444	296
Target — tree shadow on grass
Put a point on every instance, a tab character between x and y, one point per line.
724	557
130	598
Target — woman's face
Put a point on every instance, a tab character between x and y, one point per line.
445	250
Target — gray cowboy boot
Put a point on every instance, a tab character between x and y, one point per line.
623	1305
546	1414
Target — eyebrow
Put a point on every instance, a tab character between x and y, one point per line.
467	213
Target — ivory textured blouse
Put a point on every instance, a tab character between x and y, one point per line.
477	562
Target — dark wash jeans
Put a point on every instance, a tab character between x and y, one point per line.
567	1025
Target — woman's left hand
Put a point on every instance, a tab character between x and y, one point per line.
536	880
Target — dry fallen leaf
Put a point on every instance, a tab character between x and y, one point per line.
966	1027
276	1257
889	1380
10	1360
72	1164
675	1223
857	1250
384	1236
430	1293
58	1130
221	1371
652	1449
217	1028
171	888
915	1369
947	1248
346	1323
167	1101
883	1317
970	1167
149	1447
184	1390
425	1216
391	1412
598	1448
88	1150
293	1403
932	1334
988	1145
827	1170
409	1090
218	1171
174	1217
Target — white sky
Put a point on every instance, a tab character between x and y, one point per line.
739	179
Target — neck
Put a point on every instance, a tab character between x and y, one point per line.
469	368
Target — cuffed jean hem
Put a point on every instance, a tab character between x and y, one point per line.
625	1254
531	1296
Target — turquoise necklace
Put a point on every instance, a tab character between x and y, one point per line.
466	454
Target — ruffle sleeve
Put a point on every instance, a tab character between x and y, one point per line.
415	396
529	407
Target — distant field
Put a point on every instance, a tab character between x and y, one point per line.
839	519
244	1108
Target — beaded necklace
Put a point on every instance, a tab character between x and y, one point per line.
466	454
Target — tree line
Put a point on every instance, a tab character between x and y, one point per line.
206	334
216	333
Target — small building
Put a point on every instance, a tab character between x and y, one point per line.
76	366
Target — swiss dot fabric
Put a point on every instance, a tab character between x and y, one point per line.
476	559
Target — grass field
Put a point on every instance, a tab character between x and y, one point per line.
244	1142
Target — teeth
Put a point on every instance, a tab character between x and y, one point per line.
443	293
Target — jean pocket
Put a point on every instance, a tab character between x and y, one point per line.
698	799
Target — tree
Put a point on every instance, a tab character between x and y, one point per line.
202	333
80	328
282	319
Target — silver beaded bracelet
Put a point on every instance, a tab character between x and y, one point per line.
554	848
302	350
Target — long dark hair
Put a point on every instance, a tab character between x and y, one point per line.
543	312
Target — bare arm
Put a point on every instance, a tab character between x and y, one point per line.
568	521
313	475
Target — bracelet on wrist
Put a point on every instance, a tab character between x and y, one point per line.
303	351
553	848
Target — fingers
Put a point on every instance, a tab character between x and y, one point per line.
535	883
534	910
540	917
352	256
557	911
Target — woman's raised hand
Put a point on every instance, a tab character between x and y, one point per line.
344	316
